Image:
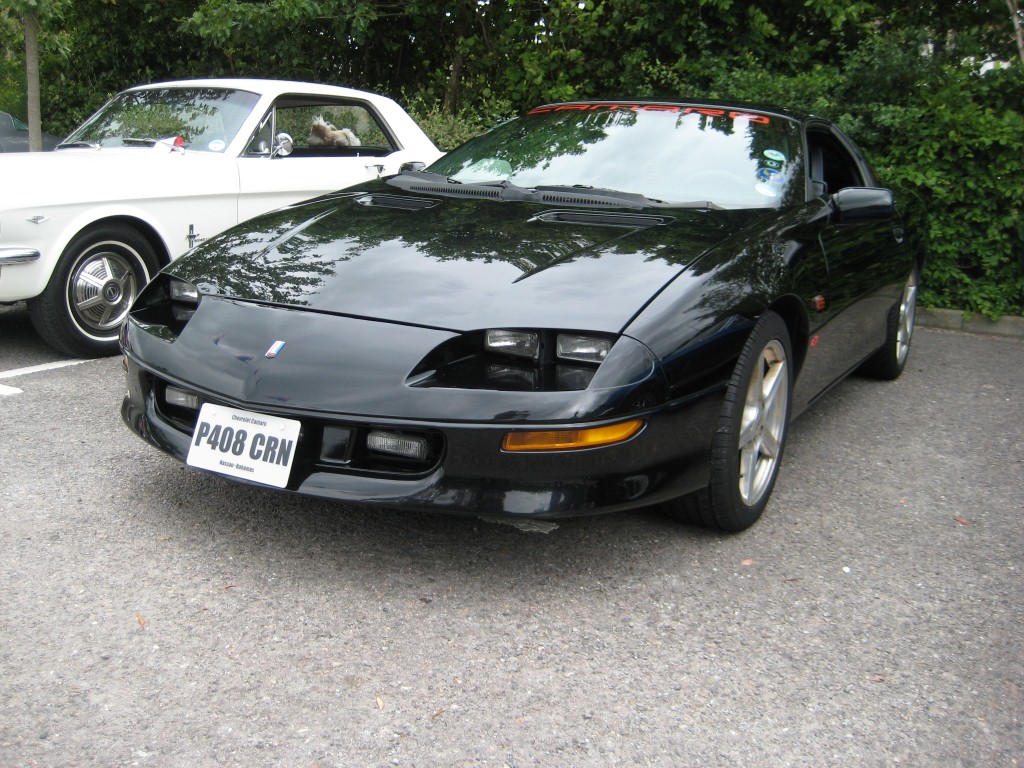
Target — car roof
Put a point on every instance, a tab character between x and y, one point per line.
262	86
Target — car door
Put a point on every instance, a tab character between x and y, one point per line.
866	263
335	143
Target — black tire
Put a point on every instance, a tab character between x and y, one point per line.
747	446
889	361
91	290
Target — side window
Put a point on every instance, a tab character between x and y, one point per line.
832	167
322	128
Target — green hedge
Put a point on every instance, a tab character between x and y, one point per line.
960	164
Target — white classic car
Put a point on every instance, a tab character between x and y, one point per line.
161	167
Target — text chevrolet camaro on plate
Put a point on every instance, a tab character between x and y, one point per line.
594	307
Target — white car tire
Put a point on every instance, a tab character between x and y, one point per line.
90	292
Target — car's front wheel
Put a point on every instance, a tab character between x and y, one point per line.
90	292
748	443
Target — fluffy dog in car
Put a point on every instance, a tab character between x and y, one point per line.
323	134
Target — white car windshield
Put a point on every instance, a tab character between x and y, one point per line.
671	153
204	119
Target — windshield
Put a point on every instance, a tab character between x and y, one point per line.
671	153
206	119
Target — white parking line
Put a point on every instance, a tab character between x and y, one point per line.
7	391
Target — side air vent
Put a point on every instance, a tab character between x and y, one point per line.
630	220
396	201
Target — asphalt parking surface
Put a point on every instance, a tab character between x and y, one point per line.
156	616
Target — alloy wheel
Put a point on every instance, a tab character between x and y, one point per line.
763	423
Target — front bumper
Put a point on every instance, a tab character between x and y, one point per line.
473	475
18	255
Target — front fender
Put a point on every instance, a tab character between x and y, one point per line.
698	325
156	194
51	234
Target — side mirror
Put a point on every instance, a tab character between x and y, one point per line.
283	145
412	167
855	204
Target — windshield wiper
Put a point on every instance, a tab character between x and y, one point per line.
506	191
135	141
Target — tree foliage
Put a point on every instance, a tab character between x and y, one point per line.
904	78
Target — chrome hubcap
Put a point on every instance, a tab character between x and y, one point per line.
905	328
102	289
763	423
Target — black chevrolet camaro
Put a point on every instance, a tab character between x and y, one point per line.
594	307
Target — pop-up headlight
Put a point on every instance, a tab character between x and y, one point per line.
517	359
165	306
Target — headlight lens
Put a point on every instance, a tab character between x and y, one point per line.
518	343
184	292
585	349
184	299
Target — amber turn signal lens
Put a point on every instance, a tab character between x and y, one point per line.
568	439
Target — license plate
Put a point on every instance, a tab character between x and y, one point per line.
244	444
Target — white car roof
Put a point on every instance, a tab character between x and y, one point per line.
268	87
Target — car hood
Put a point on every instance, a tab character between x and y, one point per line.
457	264
75	176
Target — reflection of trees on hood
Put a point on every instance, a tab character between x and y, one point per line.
286	255
261	259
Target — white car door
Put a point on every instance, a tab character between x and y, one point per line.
267	183
334	143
